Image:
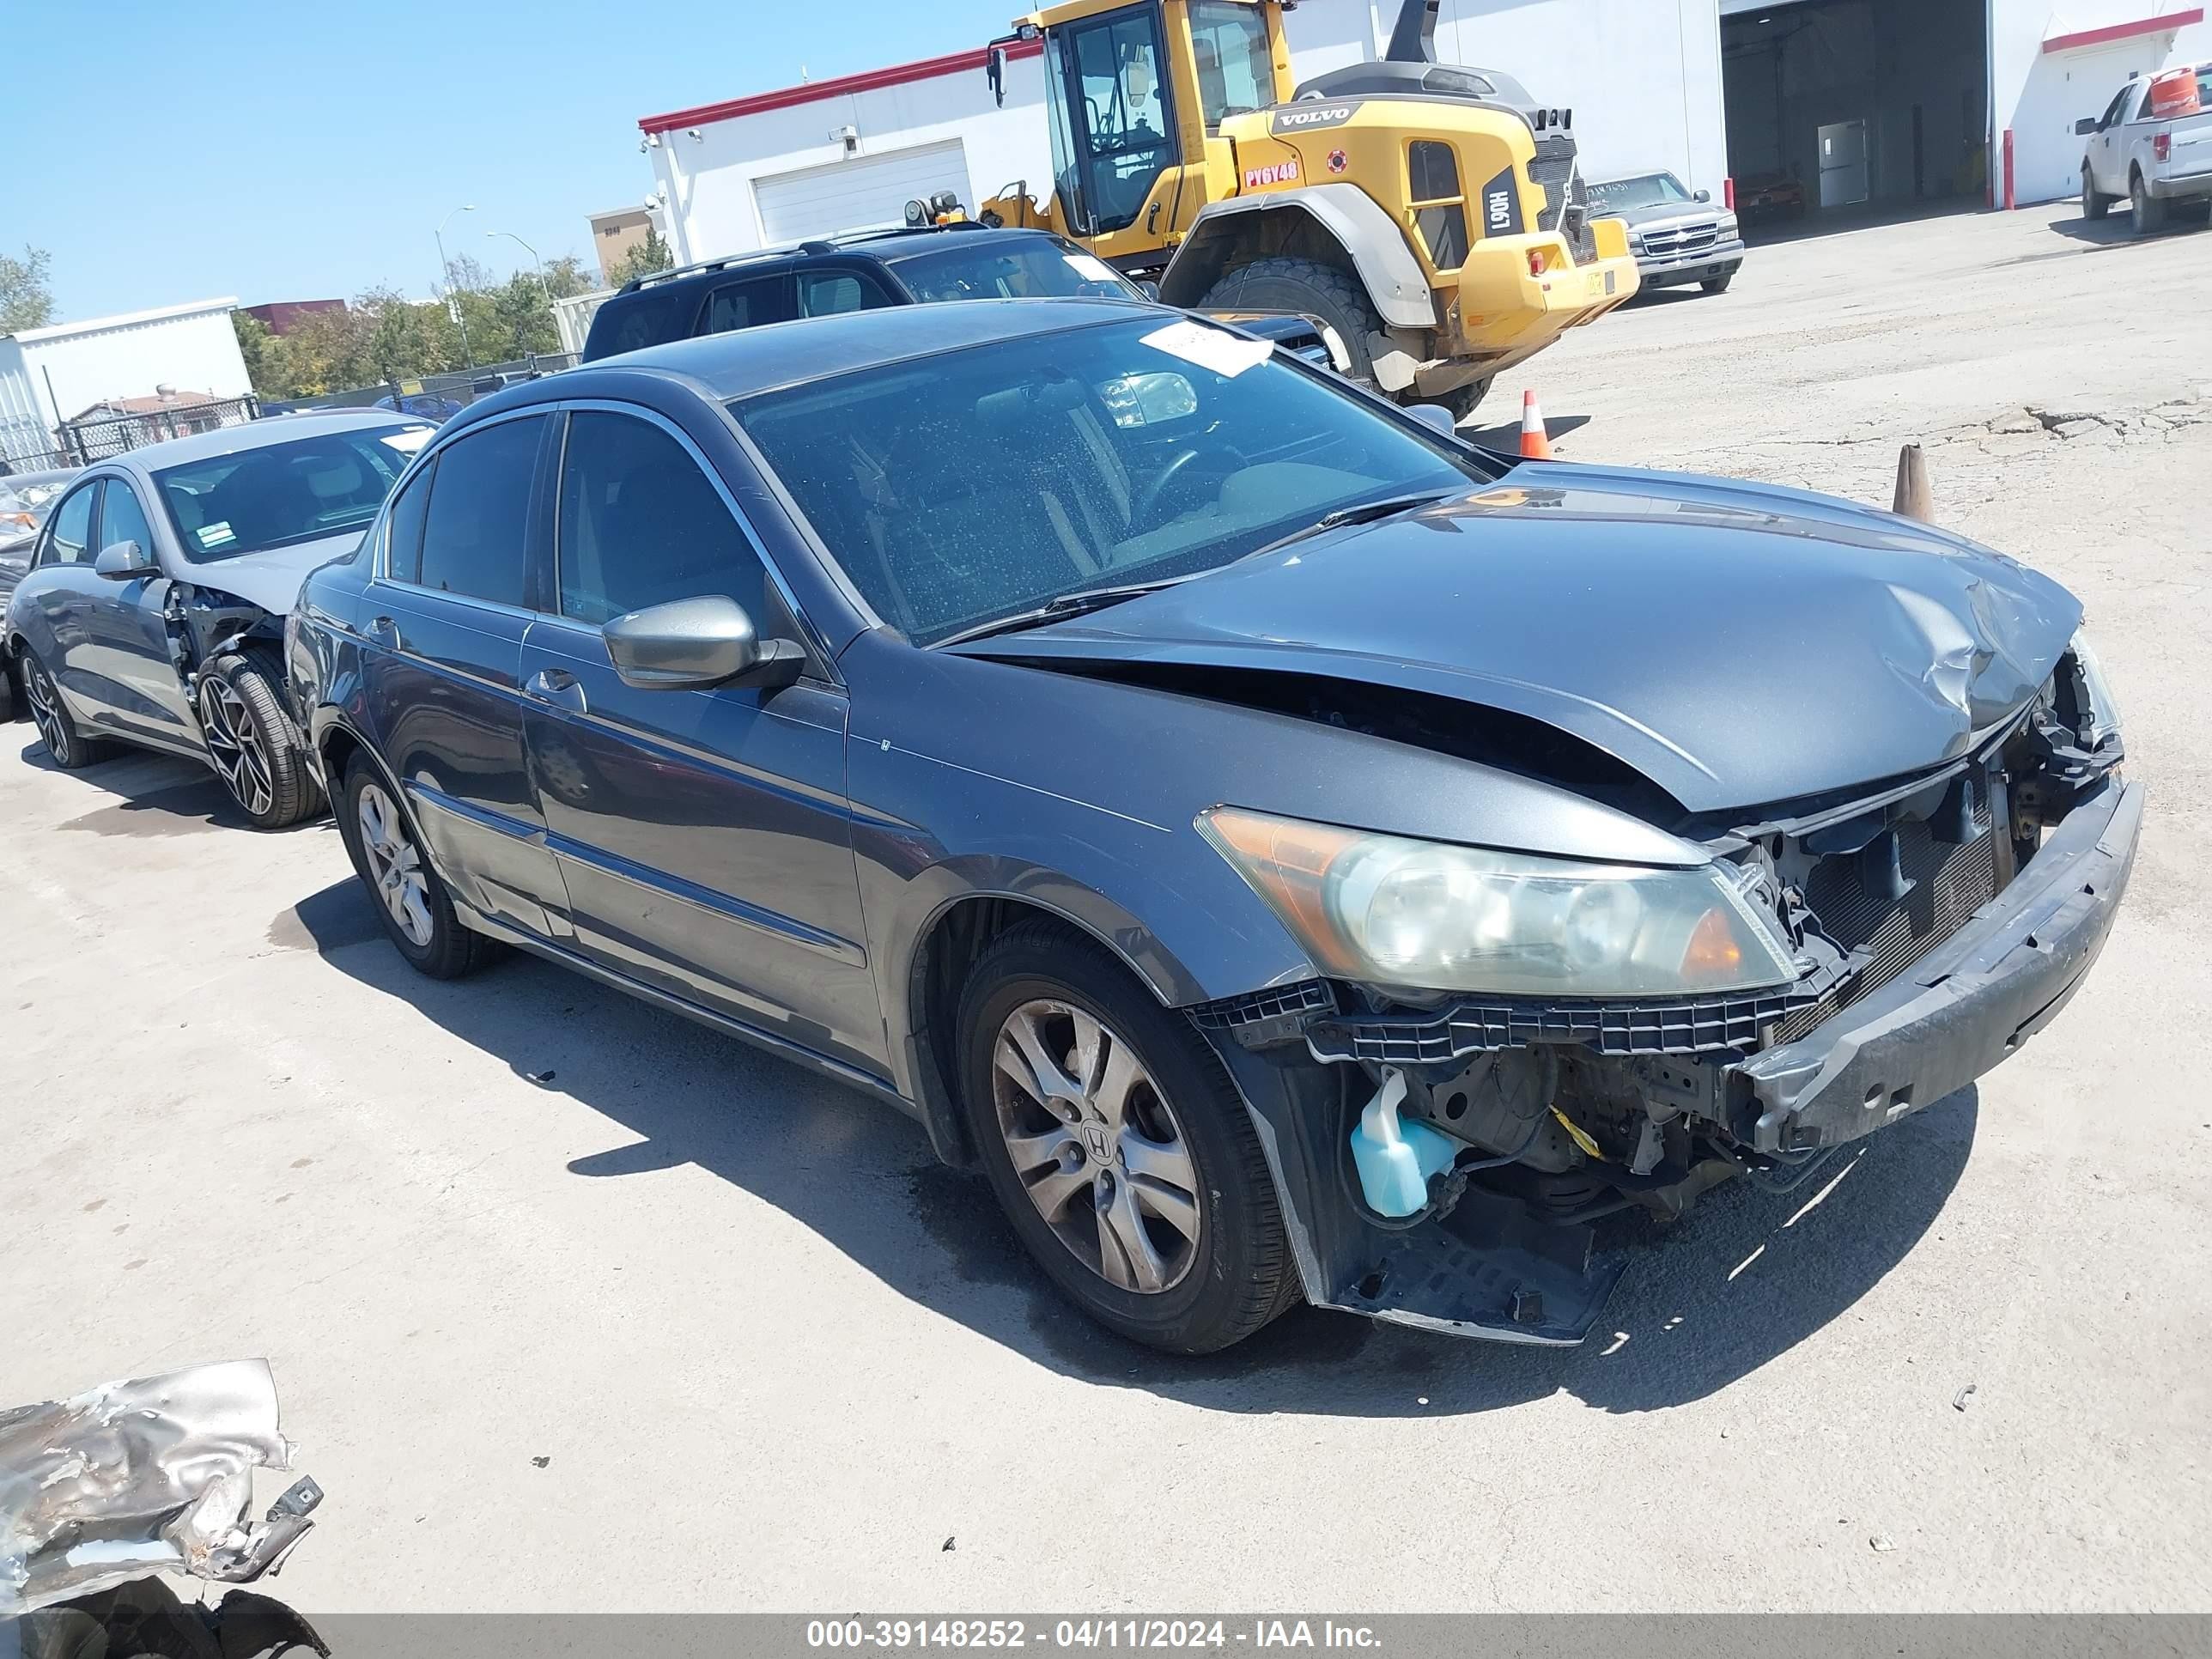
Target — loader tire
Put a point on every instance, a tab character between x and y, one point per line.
1318	290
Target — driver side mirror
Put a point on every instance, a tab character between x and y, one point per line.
2085	126
994	71
1436	416
123	561
692	644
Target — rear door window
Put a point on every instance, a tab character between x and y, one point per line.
475	533
70	540
827	293
747	305
404	535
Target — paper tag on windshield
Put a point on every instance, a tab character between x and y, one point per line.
218	534
410	439
1209	348
1091	268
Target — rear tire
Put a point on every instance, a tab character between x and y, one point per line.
67	747
256	749
408	898
2094	203
2149	213
1318	290
1463	400
1156	1132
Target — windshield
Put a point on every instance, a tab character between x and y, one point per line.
280	494
1028	270
1651	190
978	483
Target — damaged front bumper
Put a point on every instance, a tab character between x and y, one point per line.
1500	1258
145	1476
1964	1006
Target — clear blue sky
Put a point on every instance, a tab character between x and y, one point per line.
164	152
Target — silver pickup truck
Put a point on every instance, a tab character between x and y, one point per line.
2149	159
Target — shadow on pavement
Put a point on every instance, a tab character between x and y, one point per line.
1743	1279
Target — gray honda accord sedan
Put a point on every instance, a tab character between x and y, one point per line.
1292	853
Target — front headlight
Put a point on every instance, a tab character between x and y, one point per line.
1384	909
1727	224
2104	708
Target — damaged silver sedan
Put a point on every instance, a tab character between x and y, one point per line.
1292	853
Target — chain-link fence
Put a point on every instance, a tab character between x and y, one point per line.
435	397
28	446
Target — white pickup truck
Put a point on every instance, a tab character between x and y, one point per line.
2149	161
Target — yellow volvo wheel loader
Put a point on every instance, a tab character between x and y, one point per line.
1431	214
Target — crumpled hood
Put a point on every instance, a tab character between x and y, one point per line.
271	578
1737	644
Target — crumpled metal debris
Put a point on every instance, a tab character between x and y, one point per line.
152	1475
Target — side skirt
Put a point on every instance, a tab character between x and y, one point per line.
867	1082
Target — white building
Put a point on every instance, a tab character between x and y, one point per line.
1873	108
47	375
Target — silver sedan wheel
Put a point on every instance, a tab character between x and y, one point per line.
395	868
45	714
235	745
1097	1145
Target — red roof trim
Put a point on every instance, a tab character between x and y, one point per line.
2173	19
926	68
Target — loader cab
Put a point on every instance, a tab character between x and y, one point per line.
1134	99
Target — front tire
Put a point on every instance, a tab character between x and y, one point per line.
2149	213
410	900
2094	203
1117	1145
66	746
1717	284
1315	289
253	745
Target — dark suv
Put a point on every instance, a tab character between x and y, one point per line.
864	271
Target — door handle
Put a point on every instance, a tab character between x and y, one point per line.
556	686
384	631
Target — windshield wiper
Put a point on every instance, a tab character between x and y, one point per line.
1358	512
1066	605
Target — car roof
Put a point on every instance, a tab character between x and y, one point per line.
256	435
746	361
885	244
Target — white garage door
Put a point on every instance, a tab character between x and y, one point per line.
2062	88
868	190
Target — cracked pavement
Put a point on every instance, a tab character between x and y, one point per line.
573	1305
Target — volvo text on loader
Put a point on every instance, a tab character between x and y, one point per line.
1431	213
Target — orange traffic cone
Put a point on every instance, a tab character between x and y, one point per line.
1535	442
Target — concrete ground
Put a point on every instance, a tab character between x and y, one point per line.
573	1305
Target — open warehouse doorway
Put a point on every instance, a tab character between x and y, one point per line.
1857	112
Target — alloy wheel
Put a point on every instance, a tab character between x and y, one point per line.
236	746
46	709
395	868
1096	1146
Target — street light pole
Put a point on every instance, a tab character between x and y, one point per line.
543	286
446	281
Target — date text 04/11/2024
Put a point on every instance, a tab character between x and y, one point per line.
1087	1633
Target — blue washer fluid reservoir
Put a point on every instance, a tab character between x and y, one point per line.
1395	1158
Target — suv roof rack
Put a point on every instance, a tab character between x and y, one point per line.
812	244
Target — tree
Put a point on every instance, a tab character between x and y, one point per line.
565	277
25	299
649	256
